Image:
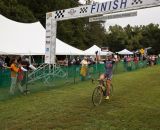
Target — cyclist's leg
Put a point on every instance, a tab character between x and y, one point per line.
101	78
108	87
108	84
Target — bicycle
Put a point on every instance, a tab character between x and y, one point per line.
99	92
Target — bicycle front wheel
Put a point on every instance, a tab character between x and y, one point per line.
97	96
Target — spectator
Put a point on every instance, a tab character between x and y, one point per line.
14	73
65	62
7	61
25	63
136	61
125	62
73	62
129	65
153	59
78	61
91	60
83	71
1	62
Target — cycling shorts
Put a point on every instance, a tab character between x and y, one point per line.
108	76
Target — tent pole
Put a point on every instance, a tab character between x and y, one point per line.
30	60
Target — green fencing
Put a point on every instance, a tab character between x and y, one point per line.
73	72
4	77
158	61
72	76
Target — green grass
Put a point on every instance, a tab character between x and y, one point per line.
135	105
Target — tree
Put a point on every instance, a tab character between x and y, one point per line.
151	37
116	38
13	10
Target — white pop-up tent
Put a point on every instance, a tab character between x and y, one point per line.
28	39
125	52
92	51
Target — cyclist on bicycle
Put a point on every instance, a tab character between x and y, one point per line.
109	62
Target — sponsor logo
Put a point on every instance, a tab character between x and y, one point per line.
47	49
48	24
72	12
48	36
49	15
48	31
46	57
53	33
48	42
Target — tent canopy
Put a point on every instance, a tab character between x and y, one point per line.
28	39
125	52
20	38
92	51
3	53
65	49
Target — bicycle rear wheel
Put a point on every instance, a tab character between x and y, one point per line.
97	96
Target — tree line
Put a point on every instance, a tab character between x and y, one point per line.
79	32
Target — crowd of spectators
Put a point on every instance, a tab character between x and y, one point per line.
150	59
77	61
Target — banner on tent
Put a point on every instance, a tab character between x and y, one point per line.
102	8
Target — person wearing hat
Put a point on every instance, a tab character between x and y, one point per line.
109	62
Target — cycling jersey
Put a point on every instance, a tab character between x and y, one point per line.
109	68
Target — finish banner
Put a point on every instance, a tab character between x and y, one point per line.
103	8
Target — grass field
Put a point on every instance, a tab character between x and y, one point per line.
135	105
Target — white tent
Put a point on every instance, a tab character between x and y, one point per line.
65	49
125	52
3	53
28	39
20	38
92	51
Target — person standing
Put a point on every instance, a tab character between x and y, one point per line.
83	71
14	73
1	62
136	61
7	61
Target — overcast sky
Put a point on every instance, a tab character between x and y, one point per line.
144	17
